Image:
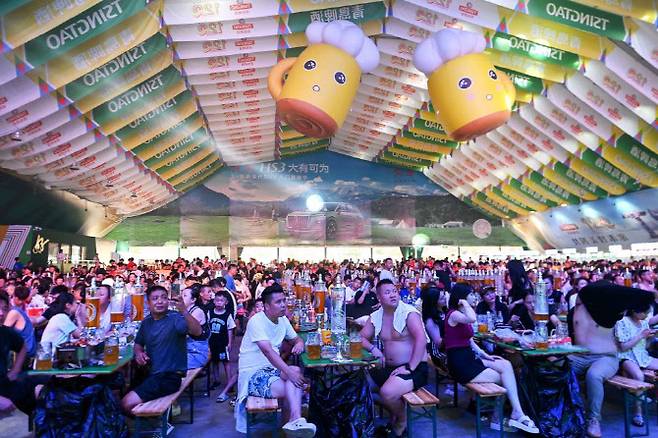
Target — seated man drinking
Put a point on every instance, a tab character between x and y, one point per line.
400	327
161	342
262	372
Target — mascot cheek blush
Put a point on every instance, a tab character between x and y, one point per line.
470	95
323	80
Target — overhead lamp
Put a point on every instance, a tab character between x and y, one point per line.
133	195
16	136
73	167
109	185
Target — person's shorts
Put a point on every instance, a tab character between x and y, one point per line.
418	376
158	385
260	384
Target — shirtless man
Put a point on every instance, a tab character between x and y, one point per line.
598	306
401	330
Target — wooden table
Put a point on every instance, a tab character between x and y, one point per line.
125	356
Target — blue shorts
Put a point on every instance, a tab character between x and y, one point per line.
260	384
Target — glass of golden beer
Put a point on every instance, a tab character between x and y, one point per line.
111	352
483	324
138	307
356	349
319	301
43	360
313	345
93	305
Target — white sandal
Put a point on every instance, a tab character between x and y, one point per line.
524	423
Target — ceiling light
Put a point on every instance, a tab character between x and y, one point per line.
73	167
109	185
16	136
133	195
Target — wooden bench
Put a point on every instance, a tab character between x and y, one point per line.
161	407
488	395
262	411
633	392
420	404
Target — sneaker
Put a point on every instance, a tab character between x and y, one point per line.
593	428
300	428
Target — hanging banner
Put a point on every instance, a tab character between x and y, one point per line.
117	69
396	87
49	140
139	100
579	16
168	138
527	66
558	192
131	79
512	205
191	180
304	148
177	162
629	158
425	143
588	92
414	153
592	120
635	74
525	150
218	65
215	48
542	141
102	49
509	43
197	167
646	10
186	12
585	178
89	24
23	24
157	121
53	154
482	199
160	158
596	161
644	42
239	106
228	76
638	103
514	188
222	87
234	97
566	122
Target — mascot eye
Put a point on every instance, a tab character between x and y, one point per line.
309	65
464	83
493	75
340	77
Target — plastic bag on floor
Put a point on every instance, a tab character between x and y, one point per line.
343	407
79	408
552	397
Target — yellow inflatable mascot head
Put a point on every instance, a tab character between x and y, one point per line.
470	95
322	82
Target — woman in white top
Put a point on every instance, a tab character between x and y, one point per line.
60	328
631	333
104	293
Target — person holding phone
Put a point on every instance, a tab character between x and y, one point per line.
631	333
161	343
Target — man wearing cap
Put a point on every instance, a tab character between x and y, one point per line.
598	307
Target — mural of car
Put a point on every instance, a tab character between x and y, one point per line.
335	220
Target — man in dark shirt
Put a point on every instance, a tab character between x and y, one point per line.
161	343
13	393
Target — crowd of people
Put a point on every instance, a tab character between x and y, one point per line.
416	309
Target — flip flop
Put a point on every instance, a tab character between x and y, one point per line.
221	398
638	420
524	423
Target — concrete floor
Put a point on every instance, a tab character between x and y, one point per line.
213	419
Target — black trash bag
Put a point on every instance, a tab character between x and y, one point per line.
551	396
79	408
343	407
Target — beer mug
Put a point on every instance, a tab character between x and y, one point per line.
44	357
470	95
313	345
93	305
322	82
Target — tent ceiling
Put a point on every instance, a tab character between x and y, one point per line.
130	103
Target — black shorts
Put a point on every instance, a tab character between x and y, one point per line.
418	376
159	385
